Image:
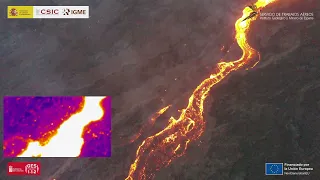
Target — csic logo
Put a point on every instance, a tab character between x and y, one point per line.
47	11
13	12
23	168
67	12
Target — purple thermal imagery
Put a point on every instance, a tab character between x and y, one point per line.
60	126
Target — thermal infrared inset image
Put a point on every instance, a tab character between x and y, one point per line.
57	126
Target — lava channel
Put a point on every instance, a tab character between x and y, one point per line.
69	138
159	150
151	122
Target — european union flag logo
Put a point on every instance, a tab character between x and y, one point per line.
274	168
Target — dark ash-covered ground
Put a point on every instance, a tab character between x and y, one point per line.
148	54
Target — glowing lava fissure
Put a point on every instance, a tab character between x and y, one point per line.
76	136
158	151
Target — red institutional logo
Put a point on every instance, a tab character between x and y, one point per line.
24	168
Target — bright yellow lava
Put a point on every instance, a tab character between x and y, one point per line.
68	141
159	150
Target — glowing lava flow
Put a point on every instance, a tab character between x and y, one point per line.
151	123
159	150
68	141
146	126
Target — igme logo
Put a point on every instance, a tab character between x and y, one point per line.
68	11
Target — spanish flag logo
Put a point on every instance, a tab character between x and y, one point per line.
19	12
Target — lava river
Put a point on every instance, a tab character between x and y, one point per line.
159	150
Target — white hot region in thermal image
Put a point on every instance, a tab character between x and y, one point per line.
68	141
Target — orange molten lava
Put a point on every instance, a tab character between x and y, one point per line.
68	141
159	150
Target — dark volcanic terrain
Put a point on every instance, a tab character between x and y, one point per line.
148	54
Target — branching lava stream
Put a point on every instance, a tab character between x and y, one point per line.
157	151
